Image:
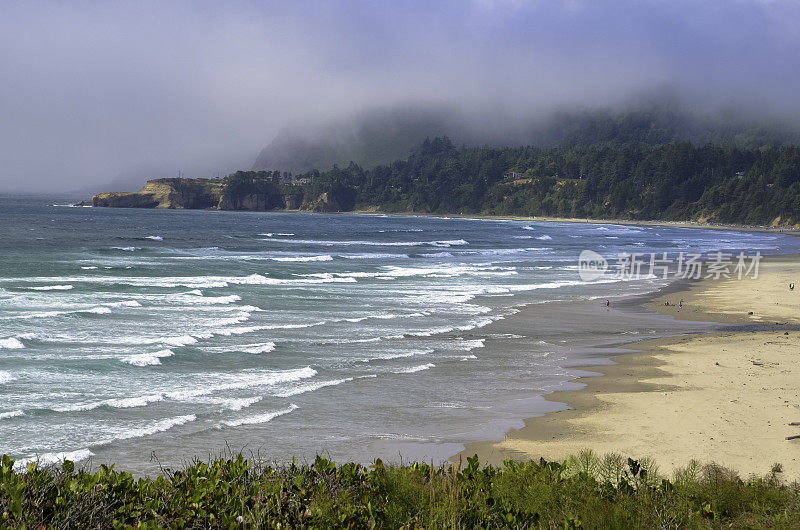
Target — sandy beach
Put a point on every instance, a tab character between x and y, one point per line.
730	397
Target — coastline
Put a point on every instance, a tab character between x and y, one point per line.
780	229
726	396
788	230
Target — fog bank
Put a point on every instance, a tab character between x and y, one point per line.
93	92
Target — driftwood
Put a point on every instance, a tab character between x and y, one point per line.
795	424
795	437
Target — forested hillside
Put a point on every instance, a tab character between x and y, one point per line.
673	181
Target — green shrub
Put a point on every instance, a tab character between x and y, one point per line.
584	491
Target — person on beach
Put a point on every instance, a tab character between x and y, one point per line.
608	304
791	286
680	304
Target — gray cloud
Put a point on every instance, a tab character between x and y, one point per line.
95	91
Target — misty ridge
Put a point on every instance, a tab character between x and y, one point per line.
104	96
647	163
381	135
377	136
650	159
384	134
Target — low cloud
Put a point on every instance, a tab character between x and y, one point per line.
96	91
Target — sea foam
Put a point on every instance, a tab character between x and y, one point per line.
368	243
47	459
11	343
260	418
415	369
301	259
310	387
95	310
153	428
147	359
265	347
118	403
242	380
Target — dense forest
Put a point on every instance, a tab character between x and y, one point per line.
667	181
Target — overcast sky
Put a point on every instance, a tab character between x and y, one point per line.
95	91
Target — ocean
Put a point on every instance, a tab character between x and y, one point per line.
147	337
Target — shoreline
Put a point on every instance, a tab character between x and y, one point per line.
779	229
787	230
663	395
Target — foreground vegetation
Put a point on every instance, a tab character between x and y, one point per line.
587	491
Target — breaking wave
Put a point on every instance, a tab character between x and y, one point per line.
367	243
415	369
46	459
11	344
153	428
300	259
260	418
147	359
310	387
242	380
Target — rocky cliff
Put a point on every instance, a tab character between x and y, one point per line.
171	193
242	193
326	202
254	202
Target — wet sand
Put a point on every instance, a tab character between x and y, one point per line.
728	396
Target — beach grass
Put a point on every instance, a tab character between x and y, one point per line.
585	490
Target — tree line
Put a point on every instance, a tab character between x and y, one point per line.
670	181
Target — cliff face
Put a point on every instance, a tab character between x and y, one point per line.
198	194
254	202
326	202
166	193
125	199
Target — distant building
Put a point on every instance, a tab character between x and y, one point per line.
512	175
740	175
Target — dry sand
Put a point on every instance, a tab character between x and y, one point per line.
728	397
768	296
